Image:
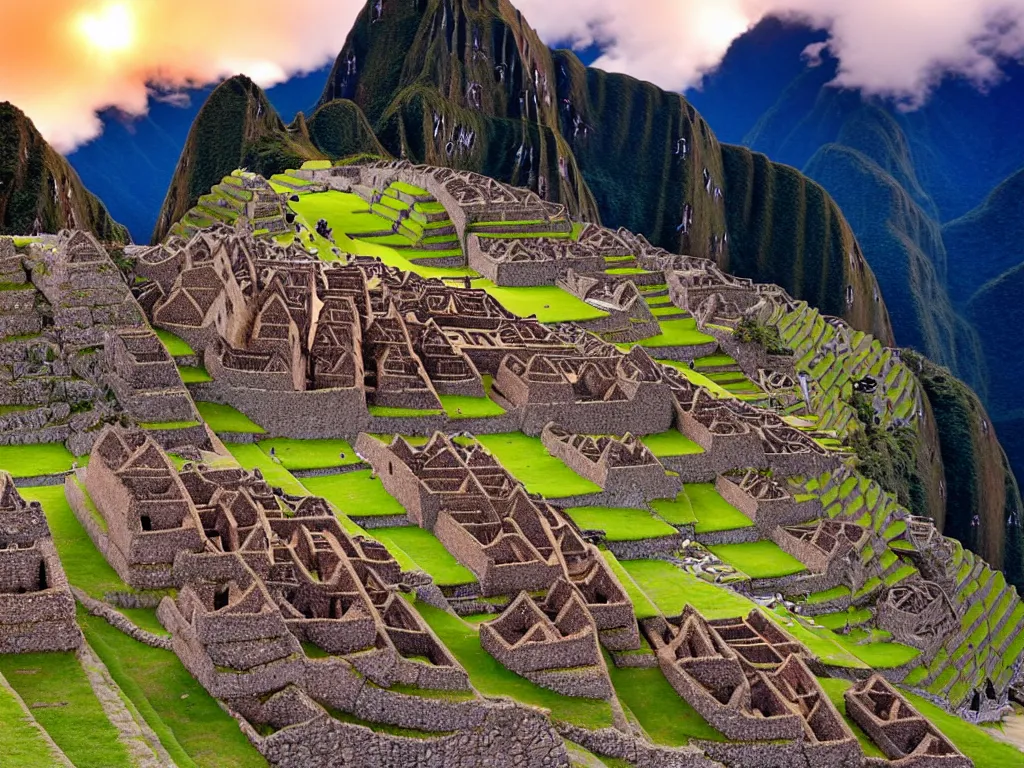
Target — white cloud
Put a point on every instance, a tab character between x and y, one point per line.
62	60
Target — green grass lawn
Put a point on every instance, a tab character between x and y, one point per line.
177	346
85	567
621	524
642	605
529	461
429	553
462	407
224	418
671	589
548	302
884	655
759	559
310	454
492	679
712	512
192	375
386	412
664	714
671	443
251	457
22	745
35	460
696	377
677	511
357	494
55	688
678	333
189	722
822	642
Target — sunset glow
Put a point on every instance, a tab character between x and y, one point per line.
109	29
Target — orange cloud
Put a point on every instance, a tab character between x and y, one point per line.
62	60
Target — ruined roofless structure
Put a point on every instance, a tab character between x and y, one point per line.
37	609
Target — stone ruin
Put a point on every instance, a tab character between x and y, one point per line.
917	613
37	609
512	542
554	644
78	353
627	471
907	739
762	498
749	680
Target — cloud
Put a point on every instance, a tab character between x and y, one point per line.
62	60
895	48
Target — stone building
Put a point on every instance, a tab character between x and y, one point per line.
37	609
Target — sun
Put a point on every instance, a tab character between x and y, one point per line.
109	29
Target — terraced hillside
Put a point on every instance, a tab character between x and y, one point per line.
450	443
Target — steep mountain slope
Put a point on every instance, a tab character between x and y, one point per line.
39	191
237	127
479	91
988	241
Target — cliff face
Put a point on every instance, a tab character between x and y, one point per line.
479	91
39	191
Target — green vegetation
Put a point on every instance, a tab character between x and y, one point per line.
461	407
492	679
529	461
642	606
310	454
224	418
428	553
677	511
387	412
176	346
751	331
357	494
758	559
85	567
835	689
664	714
21	743
549	303
678	333
621	524
887	457
711	511
251	457
193	375
671	443
35	460
188	721
671	589
55	688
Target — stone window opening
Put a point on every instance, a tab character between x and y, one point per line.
43	584
220	598
147	523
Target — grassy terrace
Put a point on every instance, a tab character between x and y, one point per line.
194	375
678	333
251	457
55	688
711	511
492	679
665	715
178	347
428	553
224	418
462	407
670	589
758	559
22	744
529	461
189	723
310	454
35	460
357	494
548	302
671	443
677	511
621	524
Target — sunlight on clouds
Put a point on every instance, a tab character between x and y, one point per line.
110	29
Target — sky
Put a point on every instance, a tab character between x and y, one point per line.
62	60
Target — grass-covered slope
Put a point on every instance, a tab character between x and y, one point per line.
339	129
983	500
39	191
